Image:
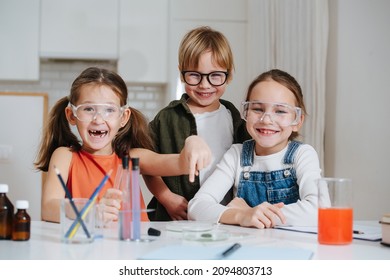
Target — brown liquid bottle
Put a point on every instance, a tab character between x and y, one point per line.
22	222
6	213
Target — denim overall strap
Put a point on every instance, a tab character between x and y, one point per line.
292	147
248	148
289	157
272	186
247	155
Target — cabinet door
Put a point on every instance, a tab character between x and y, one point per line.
19	33
75	29
143	41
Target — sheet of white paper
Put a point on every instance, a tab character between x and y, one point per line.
192	252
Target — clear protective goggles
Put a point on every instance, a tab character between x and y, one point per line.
279	113
88	112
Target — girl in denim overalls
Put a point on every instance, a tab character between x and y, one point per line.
273	175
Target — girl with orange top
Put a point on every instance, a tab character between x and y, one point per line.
108	129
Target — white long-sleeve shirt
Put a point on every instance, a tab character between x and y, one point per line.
205	205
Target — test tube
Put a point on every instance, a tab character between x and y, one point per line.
125	213
135	200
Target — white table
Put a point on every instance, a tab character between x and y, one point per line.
45	244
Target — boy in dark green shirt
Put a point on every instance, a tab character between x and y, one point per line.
206	66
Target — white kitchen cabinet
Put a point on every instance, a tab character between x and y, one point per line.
79	29
19	33
143	41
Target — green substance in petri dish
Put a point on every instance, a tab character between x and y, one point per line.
206	235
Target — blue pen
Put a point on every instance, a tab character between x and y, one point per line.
68	194
231	250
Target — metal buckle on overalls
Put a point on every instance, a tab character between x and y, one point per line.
286	173
246	172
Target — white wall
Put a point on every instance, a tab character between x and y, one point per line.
358	102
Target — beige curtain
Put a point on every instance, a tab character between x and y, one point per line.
292	35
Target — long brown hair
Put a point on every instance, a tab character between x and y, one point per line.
57	132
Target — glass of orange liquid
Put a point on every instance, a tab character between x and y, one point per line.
335	212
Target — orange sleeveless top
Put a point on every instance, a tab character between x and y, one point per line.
87	171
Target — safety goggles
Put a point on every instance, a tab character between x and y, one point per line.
279	113
88	112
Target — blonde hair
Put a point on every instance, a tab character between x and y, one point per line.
201	40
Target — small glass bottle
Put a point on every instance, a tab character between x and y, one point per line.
22	222
6	213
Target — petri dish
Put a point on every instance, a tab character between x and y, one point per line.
180	226
206	236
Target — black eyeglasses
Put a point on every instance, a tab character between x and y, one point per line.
194	78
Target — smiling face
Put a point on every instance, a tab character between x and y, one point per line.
269	136
205	97
97	134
